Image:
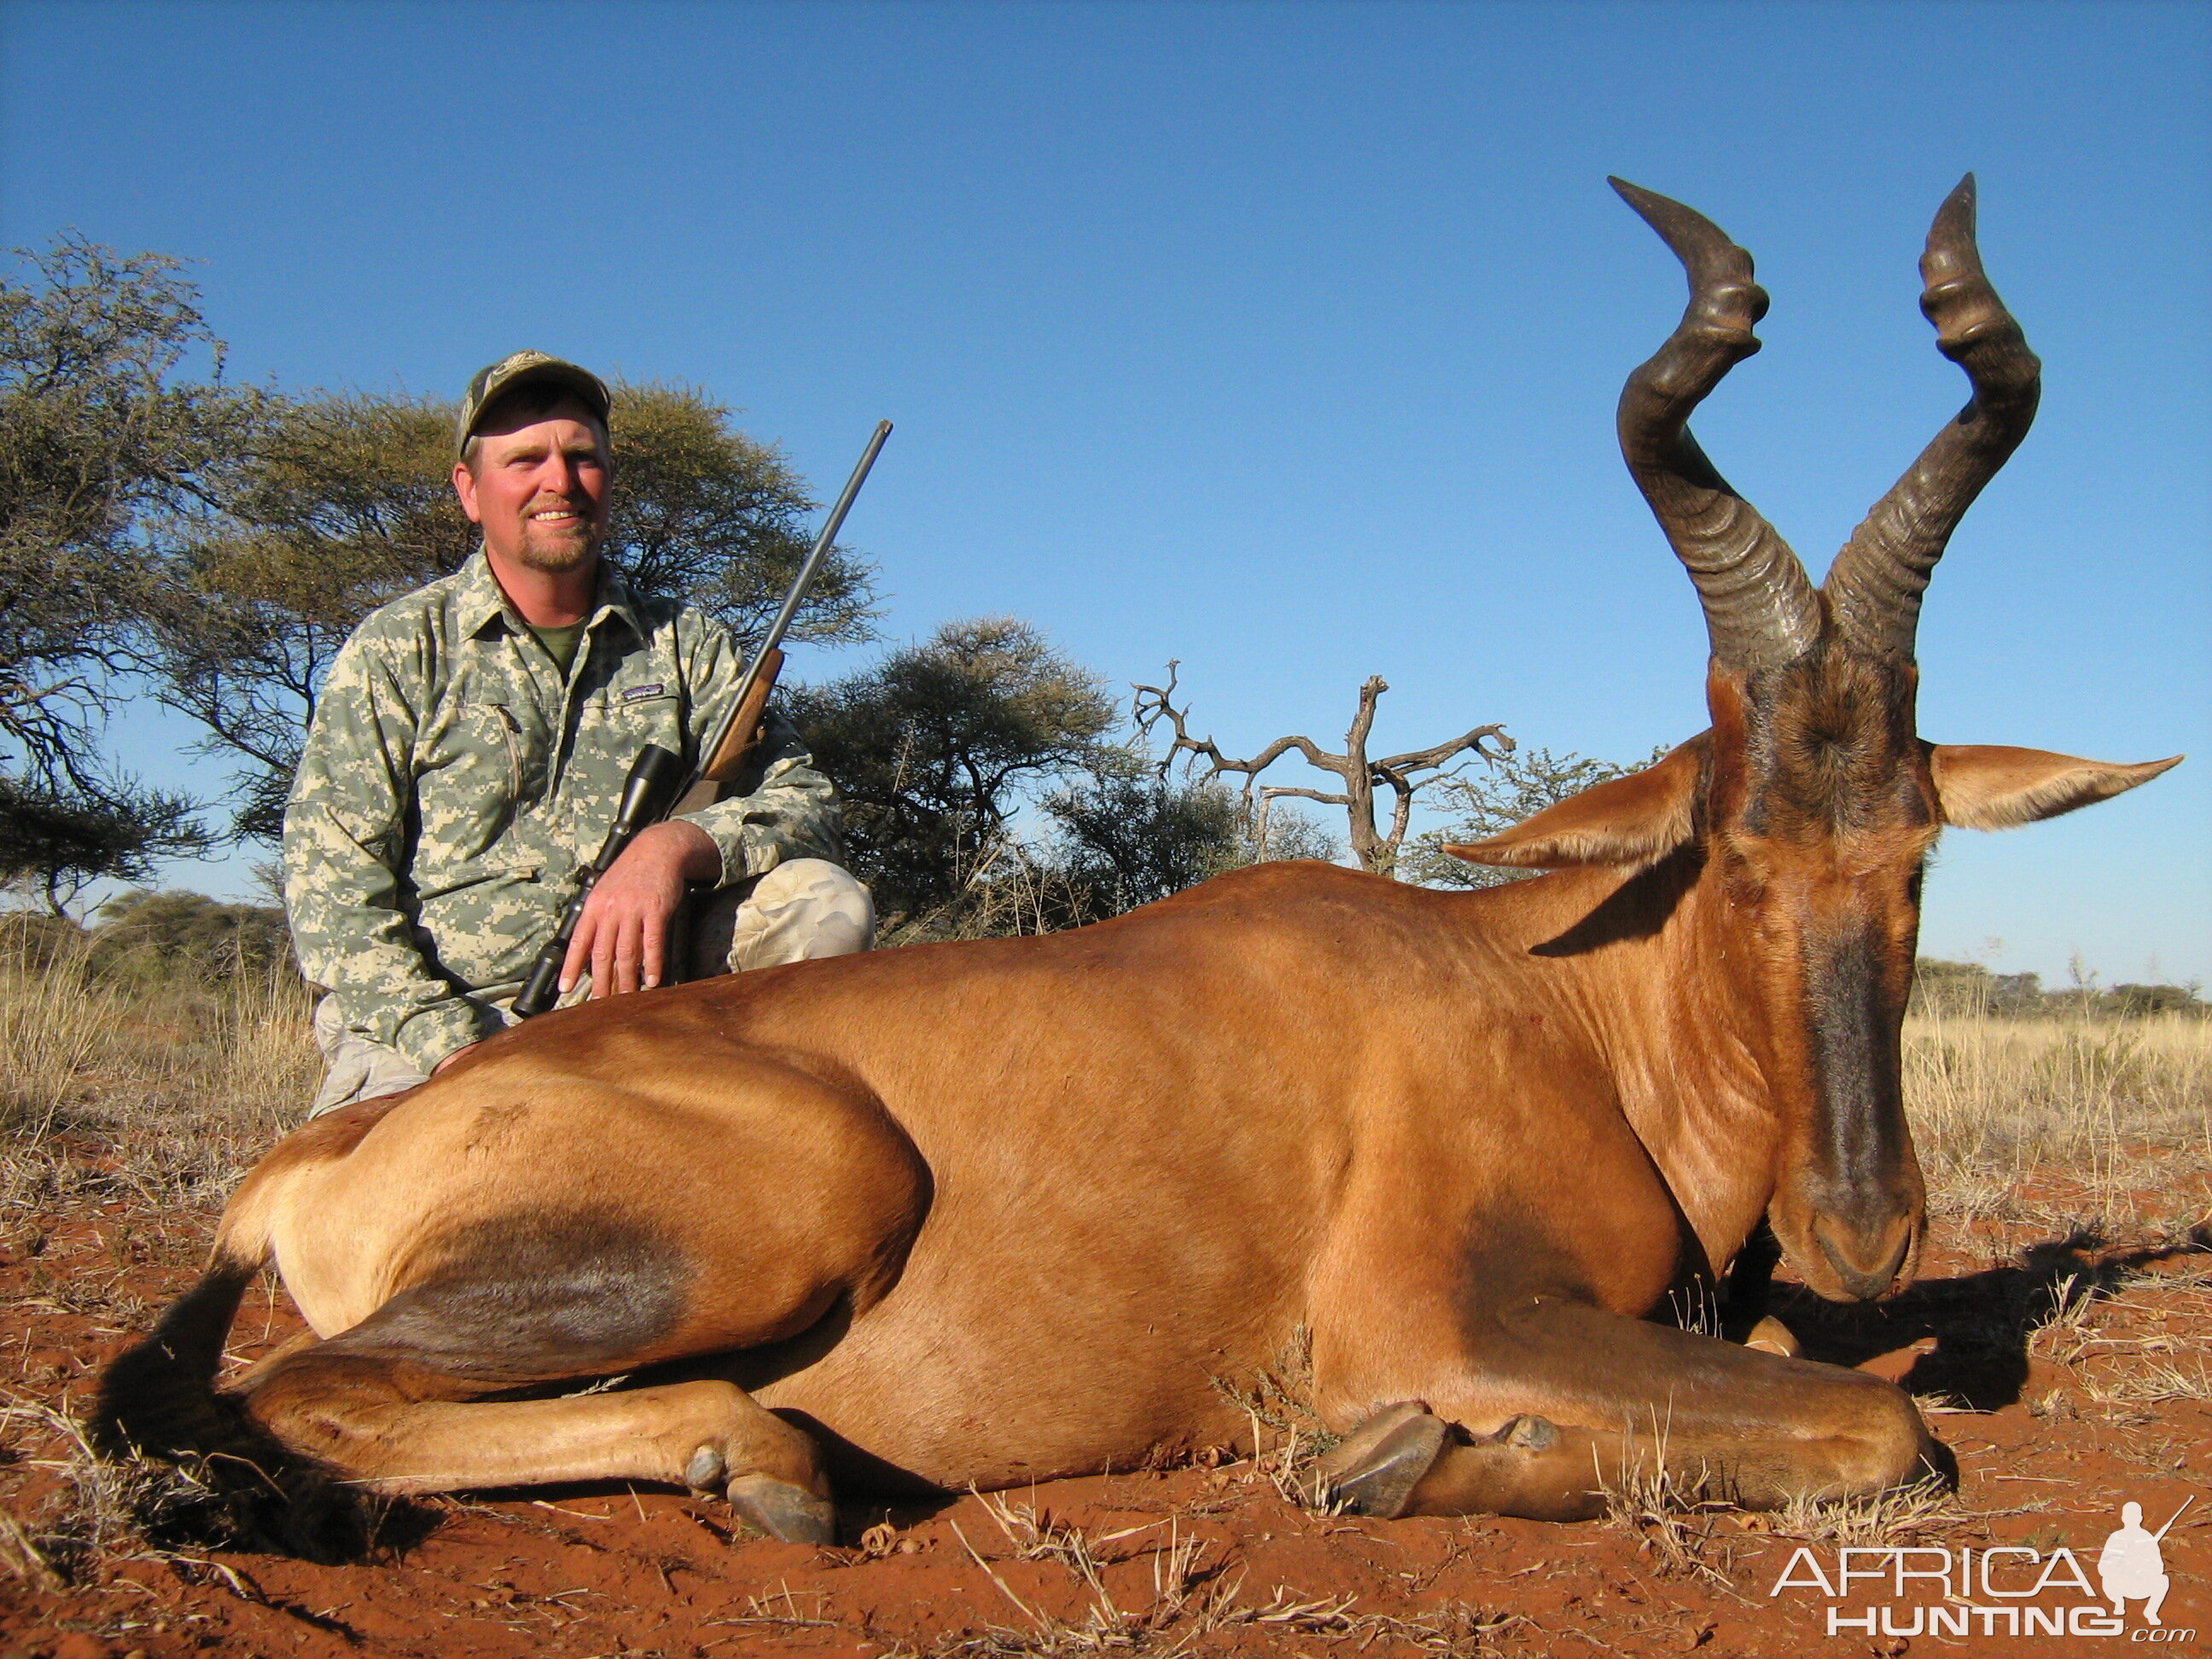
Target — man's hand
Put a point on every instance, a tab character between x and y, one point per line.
623	938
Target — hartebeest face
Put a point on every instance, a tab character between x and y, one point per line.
1813	798
1821	812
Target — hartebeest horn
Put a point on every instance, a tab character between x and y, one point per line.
1760	609
1873	588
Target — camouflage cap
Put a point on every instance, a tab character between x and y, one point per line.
518	369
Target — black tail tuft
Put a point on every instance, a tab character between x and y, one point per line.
200	1471
158	1397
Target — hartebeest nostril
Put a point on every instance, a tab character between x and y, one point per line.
1867	1259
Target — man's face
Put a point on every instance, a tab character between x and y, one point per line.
538	487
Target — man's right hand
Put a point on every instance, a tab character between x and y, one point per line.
622	939
451	1057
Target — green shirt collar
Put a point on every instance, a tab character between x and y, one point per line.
481	599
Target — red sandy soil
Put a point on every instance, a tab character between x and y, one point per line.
1206	1560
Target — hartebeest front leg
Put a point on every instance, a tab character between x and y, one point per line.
1562	1400
1497	1395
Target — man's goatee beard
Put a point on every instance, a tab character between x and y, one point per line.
560	558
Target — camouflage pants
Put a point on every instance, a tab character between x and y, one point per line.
801	911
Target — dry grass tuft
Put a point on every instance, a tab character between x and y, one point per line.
1186	1591
1190	1591
1676	1520
117	1083
96	1507
1904	1515
99	1510
2122	1106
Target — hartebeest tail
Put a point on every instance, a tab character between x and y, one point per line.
159	1400
159	1397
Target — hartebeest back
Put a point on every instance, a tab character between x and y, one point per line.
988	1212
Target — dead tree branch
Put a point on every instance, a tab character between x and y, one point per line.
1405	775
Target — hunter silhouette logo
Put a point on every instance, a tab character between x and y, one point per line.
2001	1589
2132	1566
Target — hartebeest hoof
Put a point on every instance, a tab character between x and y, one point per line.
1771	1335
1528	1433
1351	1452
1375	1469
786	1512
706	1470
789	1514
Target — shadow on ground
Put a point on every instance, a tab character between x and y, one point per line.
1981	1322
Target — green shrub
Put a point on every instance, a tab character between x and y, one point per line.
162	935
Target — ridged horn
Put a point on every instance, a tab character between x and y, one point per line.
1874	587
1760	608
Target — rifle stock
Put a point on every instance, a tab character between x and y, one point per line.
744	732
739	736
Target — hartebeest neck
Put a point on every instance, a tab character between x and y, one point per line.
1654	968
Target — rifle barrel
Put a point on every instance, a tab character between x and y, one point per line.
792	601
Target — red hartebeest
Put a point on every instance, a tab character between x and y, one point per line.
996	1212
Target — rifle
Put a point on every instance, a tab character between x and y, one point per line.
657	786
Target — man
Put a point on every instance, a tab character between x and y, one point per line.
469	749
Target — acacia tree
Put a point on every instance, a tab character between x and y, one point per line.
98	429
345	502
702	510
1125	836
1358	773
341	504
55	841
937	747
159	933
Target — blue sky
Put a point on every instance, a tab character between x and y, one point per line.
1280	339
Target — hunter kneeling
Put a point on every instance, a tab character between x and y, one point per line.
470	746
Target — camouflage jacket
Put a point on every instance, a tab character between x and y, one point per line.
452	783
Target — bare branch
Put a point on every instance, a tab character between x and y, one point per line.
1276	790
1152	705
1421	758
1403	812
1401	774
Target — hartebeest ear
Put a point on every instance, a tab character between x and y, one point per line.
1635	820
1984	786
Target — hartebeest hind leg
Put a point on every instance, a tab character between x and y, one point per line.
1566	1400
397	1428
452	1283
